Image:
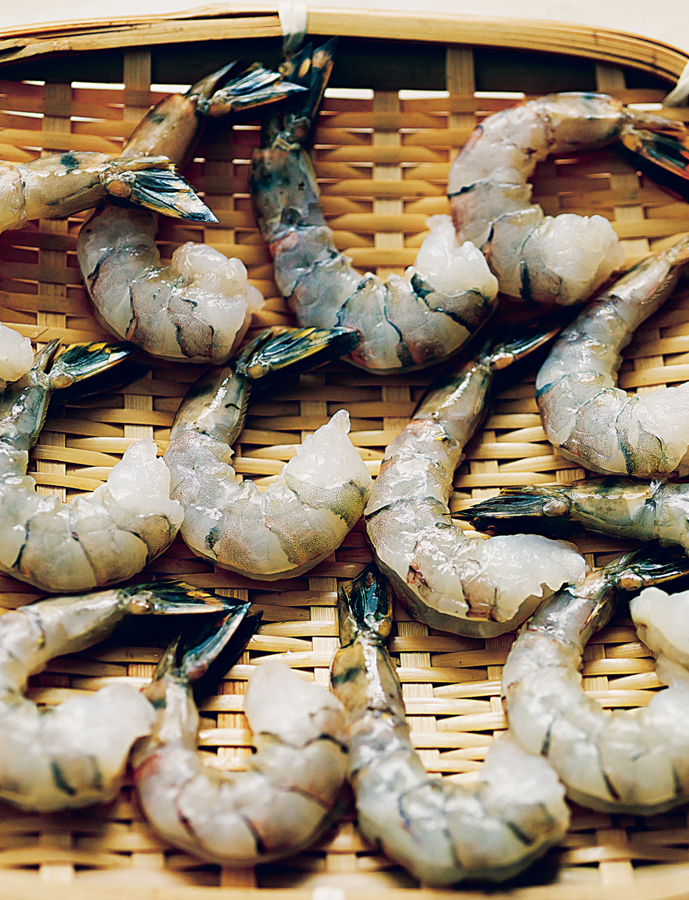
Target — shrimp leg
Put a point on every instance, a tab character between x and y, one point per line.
285	800
405	322
449	579
96	539
619	762
584	414
74	754
198	307
320	494
441	832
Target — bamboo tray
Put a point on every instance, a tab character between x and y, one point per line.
382	155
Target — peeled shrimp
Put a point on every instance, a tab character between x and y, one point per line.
96	539
405	322
74	754
624	507
199	306
447	578
584	415
319	495
280	805
441	832
61	184
637	762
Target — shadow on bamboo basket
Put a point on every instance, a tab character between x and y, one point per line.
397	113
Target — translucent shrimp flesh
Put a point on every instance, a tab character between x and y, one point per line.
16	355
405	322
621	762
584	414
98	538
447	578
198	307
623	507
441	832
61	184
319	495
284	801
74	754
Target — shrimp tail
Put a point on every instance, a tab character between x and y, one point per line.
659	150
80	362
297	348
309	69
203	656
543	510
154	183
649	565
175	598
365	607
521	343
253	86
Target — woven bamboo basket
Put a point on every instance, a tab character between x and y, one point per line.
398	111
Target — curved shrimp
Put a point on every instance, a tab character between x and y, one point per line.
623	507
285	800
96	539
448	579
198	307
62	184
404	322
584	415
619	762
303	516
561	259
441	832
74	754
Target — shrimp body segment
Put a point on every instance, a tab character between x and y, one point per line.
560	259
74	754
405	322
96	539
198	307
449	579
584	414
441	832
279	806
306	513
618	762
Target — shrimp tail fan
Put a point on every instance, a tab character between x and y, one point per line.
202	656
79	363
365	606
540	510
296	349
245	87
659	149
649	565
154	183
505	348
310	70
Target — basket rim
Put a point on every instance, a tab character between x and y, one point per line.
231	20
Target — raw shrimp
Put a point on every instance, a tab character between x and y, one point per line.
96	539
303	516
624	507
59	185
405	322
636	763
448	579
285	800
441	832
74	754
584	415
199	306
16	355
561	259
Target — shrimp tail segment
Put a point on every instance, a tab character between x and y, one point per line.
648	566
300	349
521	343
544	510
365	606
154	183
661	151
253	86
